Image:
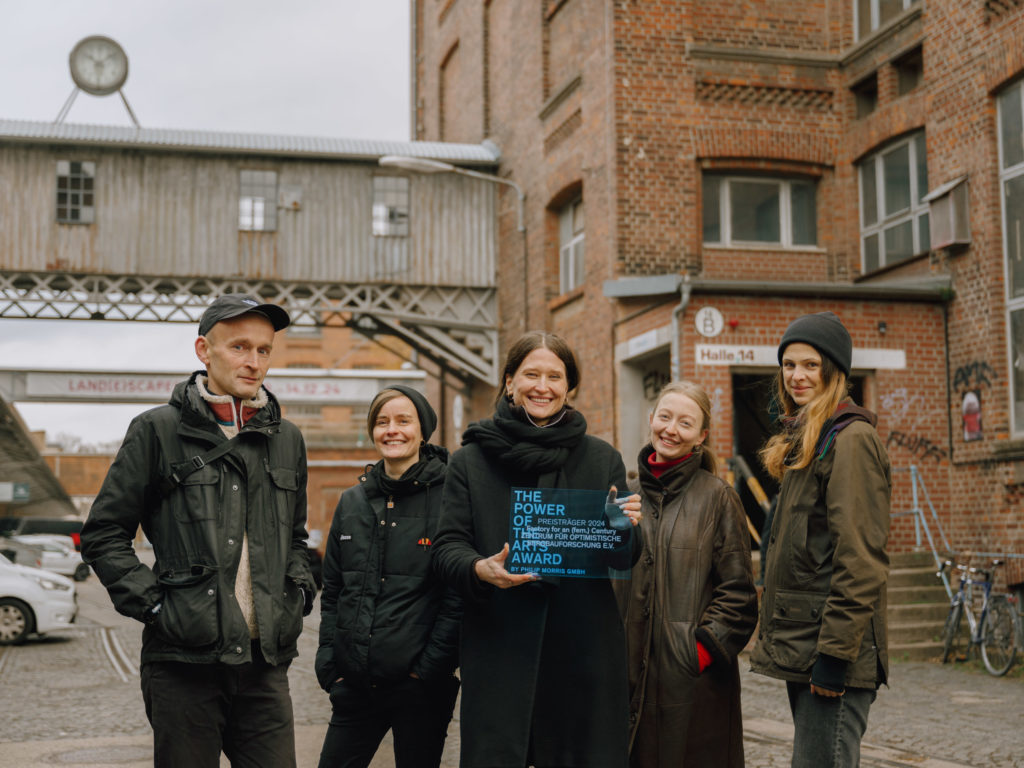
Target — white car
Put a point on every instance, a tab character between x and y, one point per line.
33	600
58	554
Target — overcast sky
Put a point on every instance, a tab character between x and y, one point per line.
336	68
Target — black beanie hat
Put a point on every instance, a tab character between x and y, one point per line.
427	416
826	333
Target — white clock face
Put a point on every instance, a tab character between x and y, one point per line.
98	65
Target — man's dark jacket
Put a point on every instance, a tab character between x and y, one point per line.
196	529
384	612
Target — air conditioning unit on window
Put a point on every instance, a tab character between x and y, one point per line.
949	214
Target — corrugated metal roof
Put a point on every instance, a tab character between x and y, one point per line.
245	143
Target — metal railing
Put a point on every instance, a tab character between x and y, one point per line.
921	525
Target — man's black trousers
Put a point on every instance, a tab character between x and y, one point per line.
199	710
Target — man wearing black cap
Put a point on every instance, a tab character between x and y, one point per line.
217	481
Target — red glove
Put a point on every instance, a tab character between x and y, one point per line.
704	658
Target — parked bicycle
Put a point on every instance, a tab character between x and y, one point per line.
993	630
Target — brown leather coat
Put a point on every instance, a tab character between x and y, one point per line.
693	581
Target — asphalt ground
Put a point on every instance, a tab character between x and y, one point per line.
73	699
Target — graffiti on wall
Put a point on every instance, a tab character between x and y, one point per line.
970	411
899	402
968	381
973	376
917	445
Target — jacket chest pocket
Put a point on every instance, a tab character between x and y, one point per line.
408	542
199	496
284	486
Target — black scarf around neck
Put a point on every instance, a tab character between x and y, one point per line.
424	473
511	438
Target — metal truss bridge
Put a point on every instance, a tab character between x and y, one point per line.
454	326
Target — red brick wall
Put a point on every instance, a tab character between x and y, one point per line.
564	43
669	90
803	26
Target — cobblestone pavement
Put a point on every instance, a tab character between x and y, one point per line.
932	716
73	699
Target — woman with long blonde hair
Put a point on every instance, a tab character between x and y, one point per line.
823	623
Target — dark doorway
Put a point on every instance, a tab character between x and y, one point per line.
752	426
753	423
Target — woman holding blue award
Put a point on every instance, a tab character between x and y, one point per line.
542	657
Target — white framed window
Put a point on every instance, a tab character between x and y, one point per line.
893	215
391	206
741	210
75	192
1011	181
869	15
570	246
257	201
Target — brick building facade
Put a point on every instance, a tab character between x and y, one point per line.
731	165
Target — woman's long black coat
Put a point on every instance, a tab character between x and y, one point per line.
543	664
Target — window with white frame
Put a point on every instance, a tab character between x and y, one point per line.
869	15
257	201
1011	177
391	206
893	217
754	210
570	246
75	192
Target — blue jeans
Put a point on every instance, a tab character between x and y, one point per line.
828	729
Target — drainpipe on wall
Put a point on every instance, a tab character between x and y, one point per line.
413	81
677	334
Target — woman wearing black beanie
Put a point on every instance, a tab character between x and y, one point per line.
388	625
823	622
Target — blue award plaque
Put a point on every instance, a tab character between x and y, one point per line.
556	532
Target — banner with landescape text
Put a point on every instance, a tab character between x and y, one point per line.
557	532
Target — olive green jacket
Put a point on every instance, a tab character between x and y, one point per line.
827	563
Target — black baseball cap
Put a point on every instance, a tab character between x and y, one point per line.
234	304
